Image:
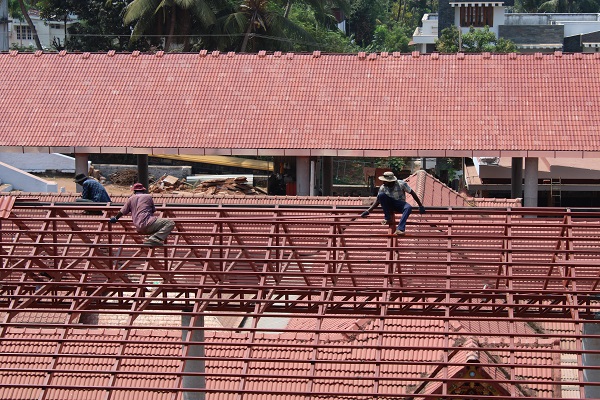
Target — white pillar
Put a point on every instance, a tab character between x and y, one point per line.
531	182
197	350
302	176
592	360
81	167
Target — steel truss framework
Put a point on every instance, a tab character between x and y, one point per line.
304	302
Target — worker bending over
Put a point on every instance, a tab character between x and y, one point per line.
141	207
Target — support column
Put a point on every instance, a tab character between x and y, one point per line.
81	167
327	176
196	381
302	176
516	178
312	178
591	360
142	165
531	182
4	25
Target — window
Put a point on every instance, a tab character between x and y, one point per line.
55	26
478	16
23	32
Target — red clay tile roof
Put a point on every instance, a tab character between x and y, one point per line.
302	104
6	204
380	314
153	356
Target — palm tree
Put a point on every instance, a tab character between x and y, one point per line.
256	19
322	8
23	12
169	18
557	6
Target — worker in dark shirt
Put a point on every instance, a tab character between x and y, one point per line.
92	190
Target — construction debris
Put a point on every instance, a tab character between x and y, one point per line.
171	184
124	177
167	183
94	173
229	186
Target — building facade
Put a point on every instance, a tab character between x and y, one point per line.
52	34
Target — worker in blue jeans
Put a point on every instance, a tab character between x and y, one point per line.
392	197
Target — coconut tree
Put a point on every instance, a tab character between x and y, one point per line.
322	8
261	19
18	9
169	18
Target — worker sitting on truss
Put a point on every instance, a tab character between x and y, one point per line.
93	192
392	198
141	207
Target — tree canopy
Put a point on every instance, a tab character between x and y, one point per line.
252	25
474	41
235	25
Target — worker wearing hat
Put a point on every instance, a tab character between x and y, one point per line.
392	198
141	207
93	191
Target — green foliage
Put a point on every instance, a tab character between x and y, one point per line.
449	40
363	18
55	10
325	38
557	6
262	26
409	13
14	9
175	20
100	28
23	49
390	39
474	41
395	164
238	25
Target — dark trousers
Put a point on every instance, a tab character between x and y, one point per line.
390	205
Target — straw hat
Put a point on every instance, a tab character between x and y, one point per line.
388	177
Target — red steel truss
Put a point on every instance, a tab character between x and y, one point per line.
299	303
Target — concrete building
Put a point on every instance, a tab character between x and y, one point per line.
542	32
49	32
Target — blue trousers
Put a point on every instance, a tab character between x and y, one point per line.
389	205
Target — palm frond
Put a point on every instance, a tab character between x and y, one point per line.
548	6
139	9
202	10
235	23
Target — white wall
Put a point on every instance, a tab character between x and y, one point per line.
45	30
24	181
39	162
498	20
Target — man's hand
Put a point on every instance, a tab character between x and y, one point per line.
364	214
422	210
112	220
